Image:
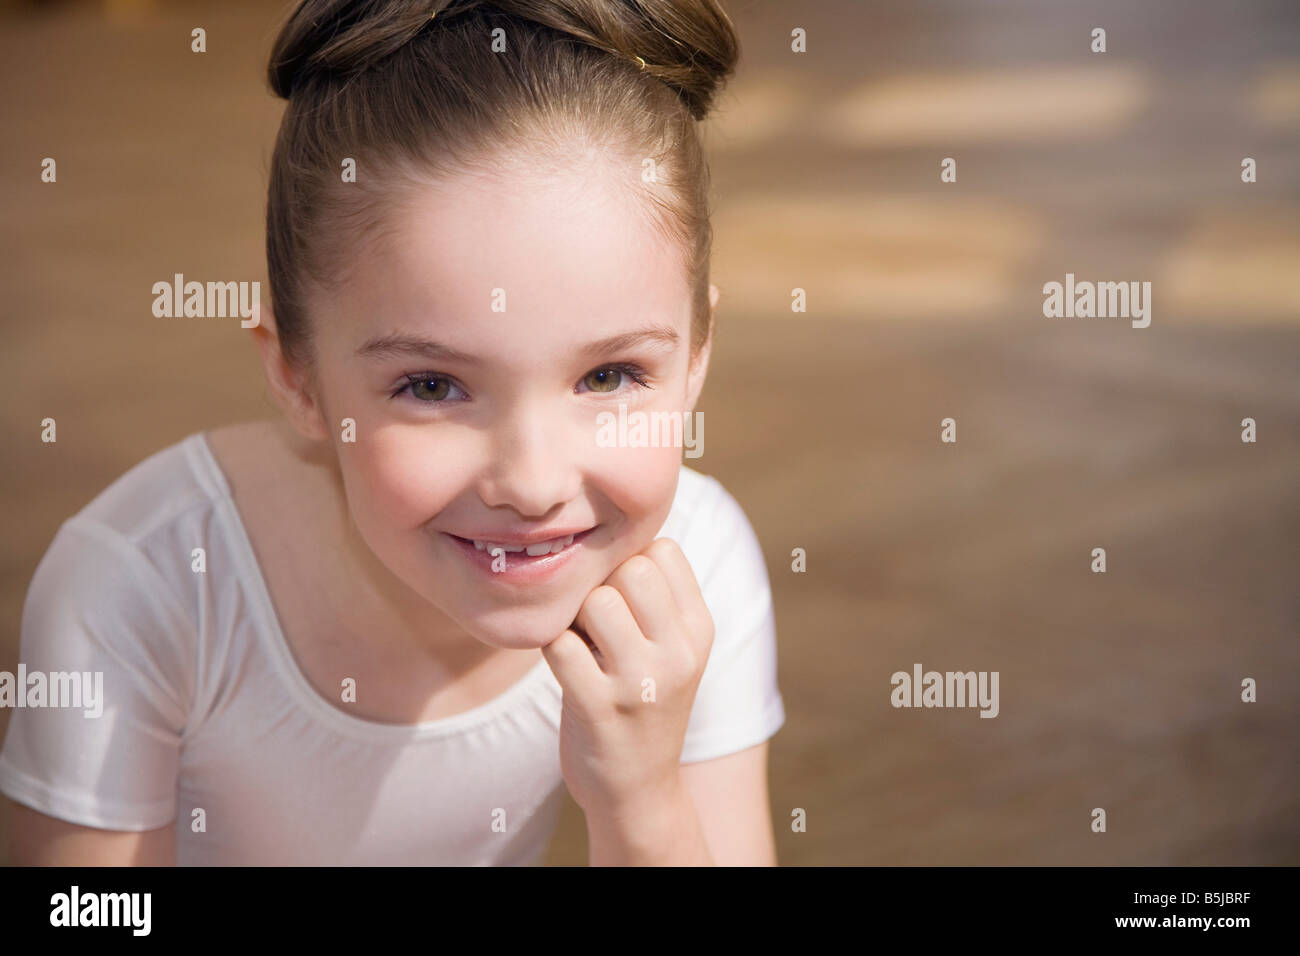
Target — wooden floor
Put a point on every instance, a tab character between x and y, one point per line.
1118	690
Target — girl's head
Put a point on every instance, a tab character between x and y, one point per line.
487	224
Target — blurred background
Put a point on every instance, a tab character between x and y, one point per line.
1118	690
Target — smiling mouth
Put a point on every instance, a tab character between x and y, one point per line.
554	546
538	550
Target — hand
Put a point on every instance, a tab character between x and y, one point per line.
629	668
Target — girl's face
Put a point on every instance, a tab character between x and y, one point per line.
474	345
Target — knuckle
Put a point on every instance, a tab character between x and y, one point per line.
603	600
681	664
640	568
663	547
688	670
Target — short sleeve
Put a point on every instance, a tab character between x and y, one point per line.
96	606
738	703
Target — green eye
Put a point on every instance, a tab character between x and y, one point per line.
604	380
437	393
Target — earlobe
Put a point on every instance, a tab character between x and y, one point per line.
699	370
287	387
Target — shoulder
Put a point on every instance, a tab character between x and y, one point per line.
112	593
152	493
709	523
738	703
719	541
119	572
701	503
136	527
174	501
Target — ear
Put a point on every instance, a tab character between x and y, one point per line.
290	387
700	363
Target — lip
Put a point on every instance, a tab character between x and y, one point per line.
522	538
520	567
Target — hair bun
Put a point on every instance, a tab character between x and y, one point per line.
690	45
341	36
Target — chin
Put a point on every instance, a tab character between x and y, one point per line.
519	628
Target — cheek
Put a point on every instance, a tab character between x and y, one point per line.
641	483
399	479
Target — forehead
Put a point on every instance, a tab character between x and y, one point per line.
568	253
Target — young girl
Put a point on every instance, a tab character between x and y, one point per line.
392	628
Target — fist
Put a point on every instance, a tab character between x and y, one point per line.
629	667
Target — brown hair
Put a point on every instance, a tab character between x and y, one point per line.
412	89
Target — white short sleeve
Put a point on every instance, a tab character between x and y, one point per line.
738	703
95	604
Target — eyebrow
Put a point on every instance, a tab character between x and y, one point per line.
401	344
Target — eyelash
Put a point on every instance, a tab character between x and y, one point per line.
634	372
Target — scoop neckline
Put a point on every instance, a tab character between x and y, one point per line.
267	625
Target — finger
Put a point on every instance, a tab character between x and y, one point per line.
593	651
570	660
643	585
684	586
608	623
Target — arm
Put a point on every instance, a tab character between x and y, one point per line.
730	796
719	815
35	839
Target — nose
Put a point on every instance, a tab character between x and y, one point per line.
532	468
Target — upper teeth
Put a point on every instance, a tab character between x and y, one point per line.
534	550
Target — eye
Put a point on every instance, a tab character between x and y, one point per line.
609	378
428	388
604	380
